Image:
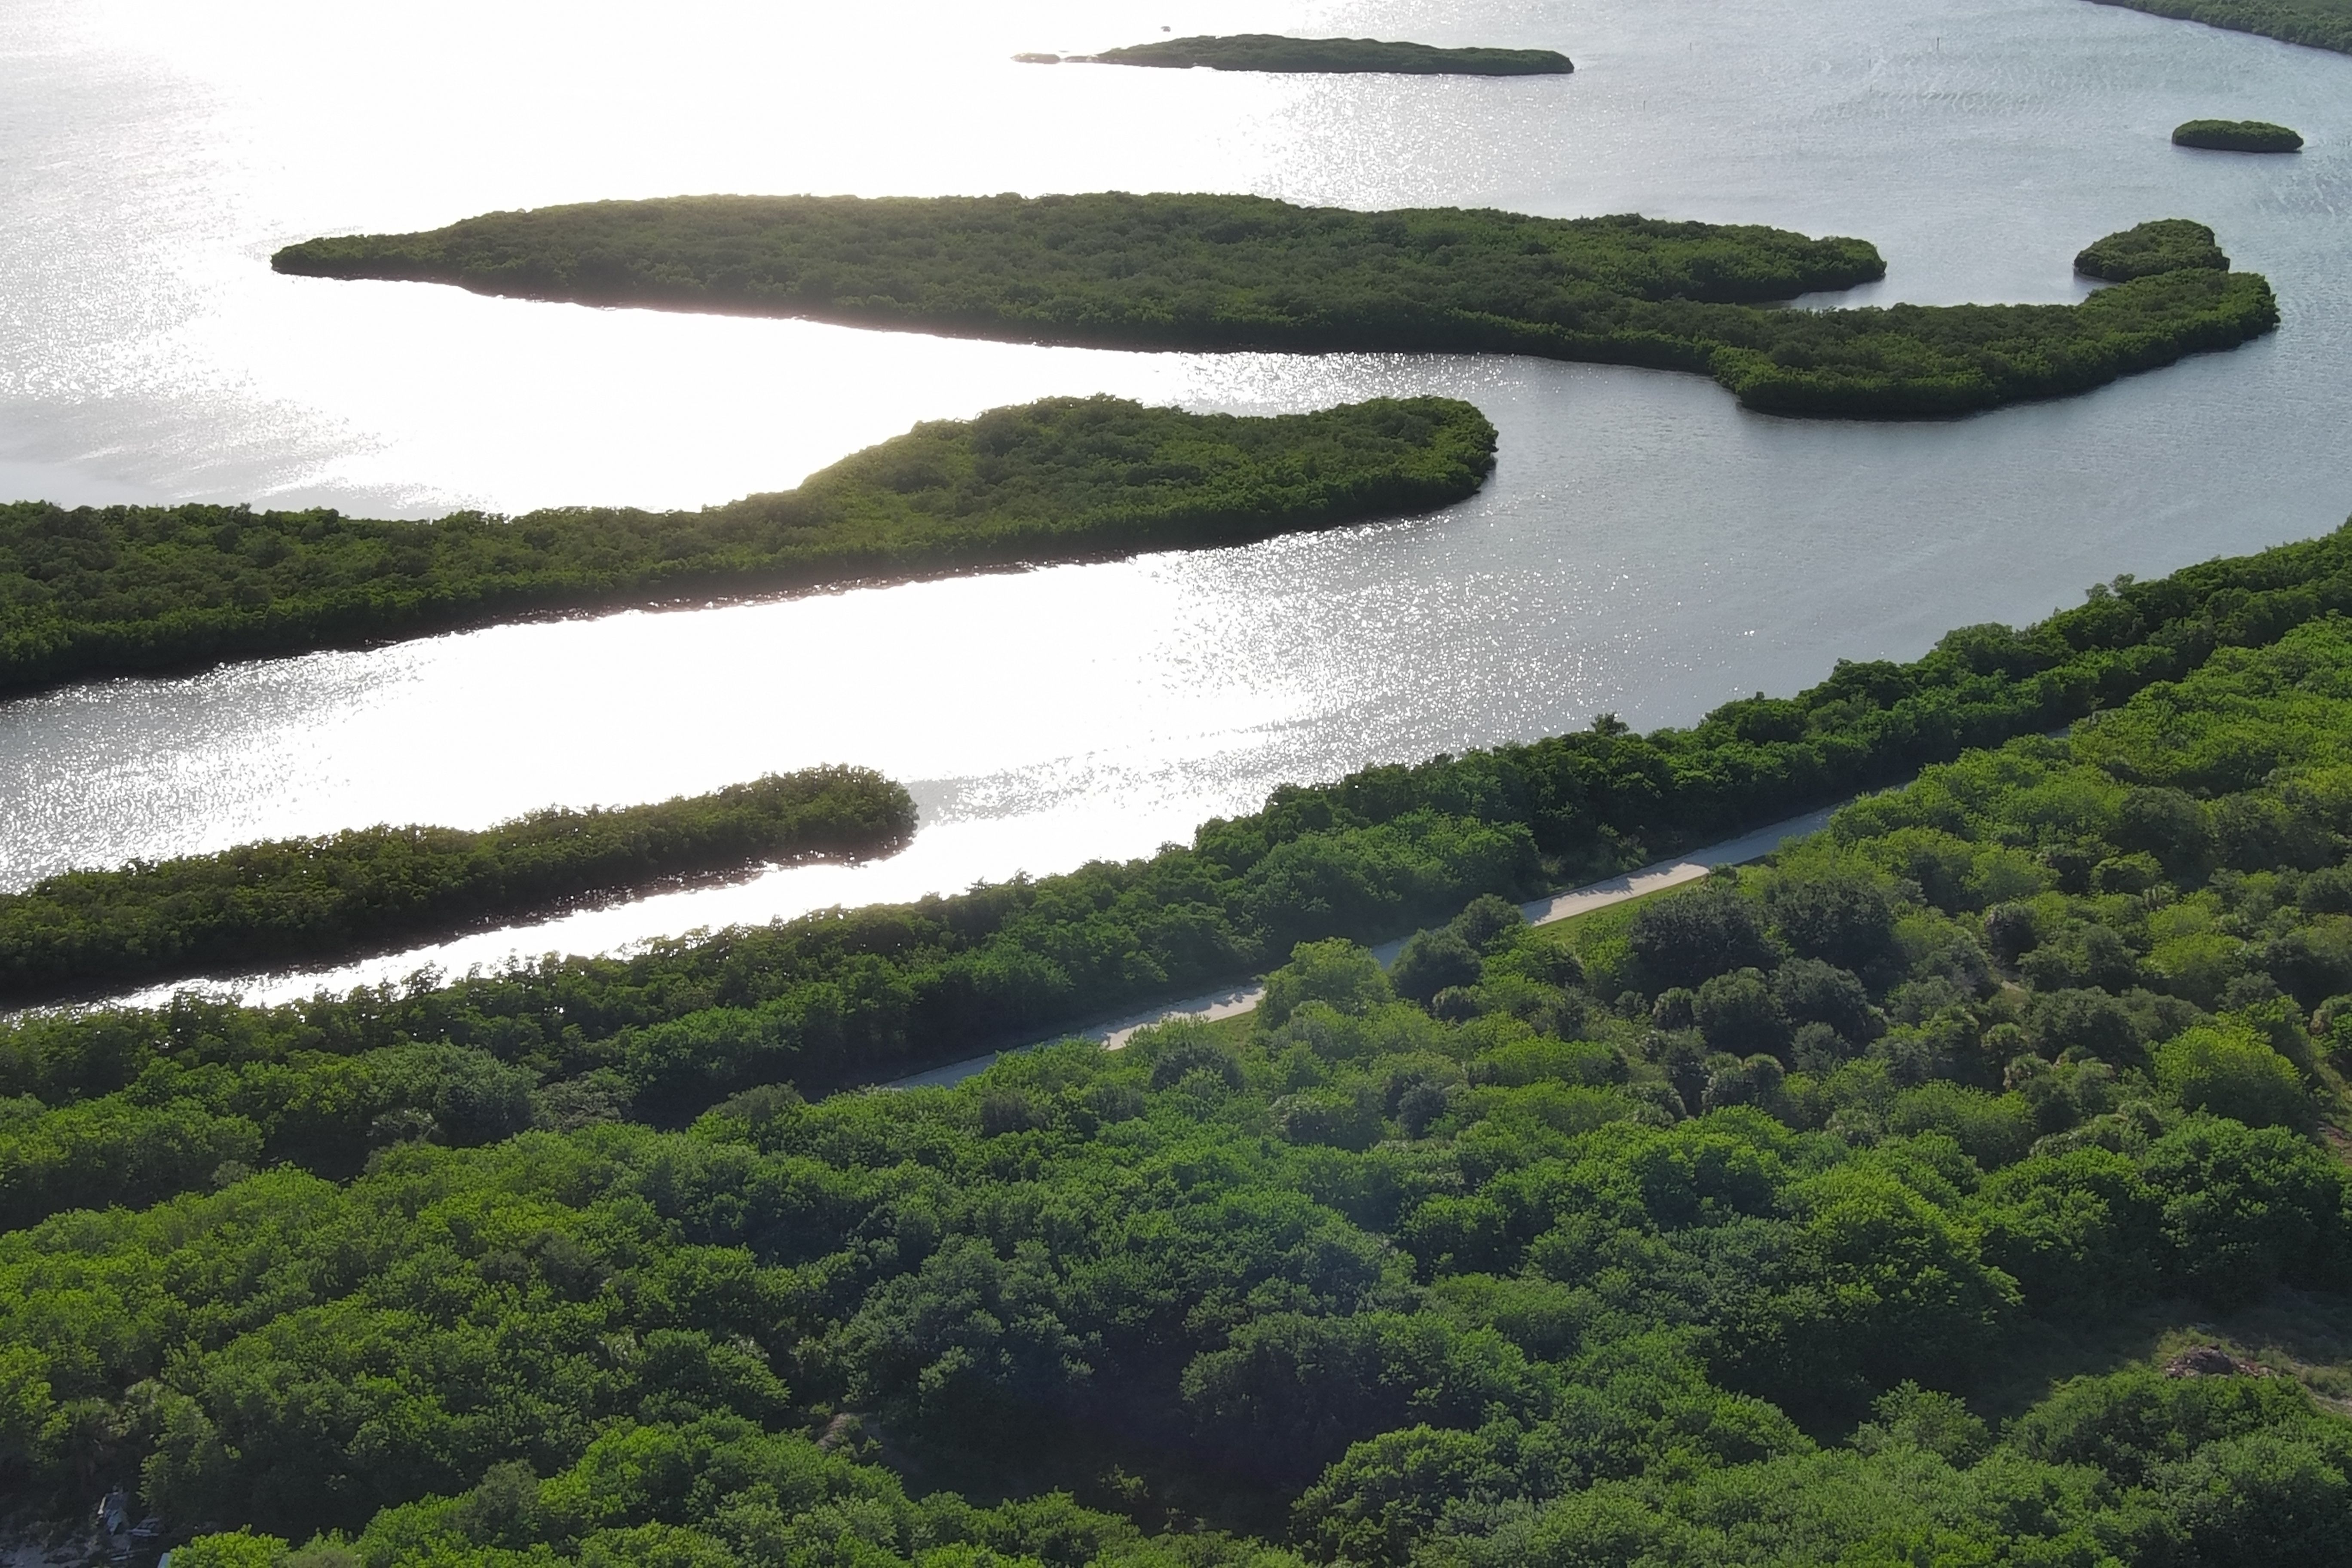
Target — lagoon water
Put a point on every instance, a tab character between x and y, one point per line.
1646	547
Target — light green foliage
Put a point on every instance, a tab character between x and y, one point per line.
237	1549
2234	1073
1339	973
1209	272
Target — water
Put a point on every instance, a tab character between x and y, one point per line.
1646	547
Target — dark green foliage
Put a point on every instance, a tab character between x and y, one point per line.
2236	136
271	905
1684	939
1738	1013
116	588
1272	52
2151	249
1431	961
1196	272
1846	920
2319	23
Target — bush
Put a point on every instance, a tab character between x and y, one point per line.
1432	962
1338	973
1739	1013
1686	938
2227	1071
2246	1207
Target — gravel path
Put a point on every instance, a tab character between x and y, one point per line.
1114	1031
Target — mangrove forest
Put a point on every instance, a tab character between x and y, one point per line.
1273	52
1209	272
2318	24
271	905
2237	136
1950	1189
98	590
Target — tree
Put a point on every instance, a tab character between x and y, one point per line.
1338	972
1687	939
2226	1070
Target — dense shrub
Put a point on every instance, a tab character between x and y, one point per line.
2320	23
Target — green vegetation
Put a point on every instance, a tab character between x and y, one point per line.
270	905
1243	272
2237	136
1934	1194
135	588
133	1105
1272	52
2152	249
2320	23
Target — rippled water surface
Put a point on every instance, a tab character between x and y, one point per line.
1646	547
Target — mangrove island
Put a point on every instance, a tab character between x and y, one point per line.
2317	24
2237	136
272	905
1273	52
109	589
1223	272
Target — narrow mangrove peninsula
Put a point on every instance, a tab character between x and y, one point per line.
1212	272
2237	136
98	590
2318	24
272	905
1273	52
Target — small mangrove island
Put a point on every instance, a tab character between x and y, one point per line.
1226	272
270	905
2149	249
2316	24
125	588
1273	52
2237	136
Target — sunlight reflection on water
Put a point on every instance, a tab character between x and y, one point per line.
1645	546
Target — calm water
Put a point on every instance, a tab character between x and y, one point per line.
1646	547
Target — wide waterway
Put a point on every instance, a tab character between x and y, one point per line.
1646	547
